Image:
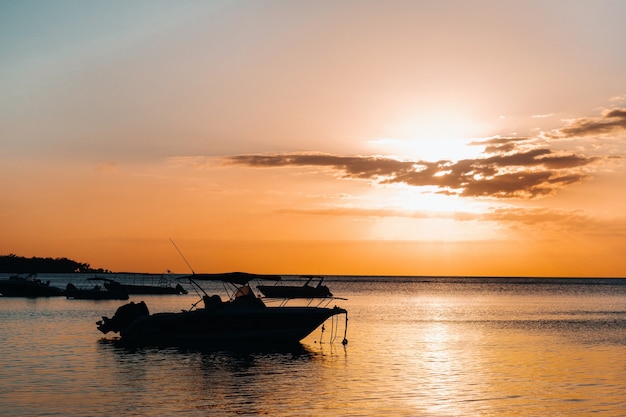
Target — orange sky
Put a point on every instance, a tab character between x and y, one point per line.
359	137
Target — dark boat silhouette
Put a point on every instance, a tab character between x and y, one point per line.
242	319
162	288
297	291
94	293
28	286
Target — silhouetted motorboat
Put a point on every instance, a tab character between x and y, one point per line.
297	291
242	319
28	286
94	293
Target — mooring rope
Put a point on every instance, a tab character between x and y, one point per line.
334	330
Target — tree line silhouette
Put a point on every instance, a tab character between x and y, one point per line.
19	264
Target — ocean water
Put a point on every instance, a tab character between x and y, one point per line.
417	346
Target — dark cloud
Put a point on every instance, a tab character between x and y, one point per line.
611	121
512	167
521	174
364	167
500	144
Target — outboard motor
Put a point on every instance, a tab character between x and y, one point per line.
124	315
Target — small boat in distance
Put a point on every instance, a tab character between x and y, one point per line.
94	293
297	291
242	319
142	286
28	286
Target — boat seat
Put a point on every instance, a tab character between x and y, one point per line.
212	302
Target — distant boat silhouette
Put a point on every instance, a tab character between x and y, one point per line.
28	286
297	291
94	293
162	288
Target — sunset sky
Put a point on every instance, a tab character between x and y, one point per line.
316	137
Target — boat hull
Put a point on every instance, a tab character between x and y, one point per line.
11	288
251	325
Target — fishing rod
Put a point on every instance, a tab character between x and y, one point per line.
193	283
183	256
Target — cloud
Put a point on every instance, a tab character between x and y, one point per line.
547	219
106	167
362	167
500	144
511	173
618	99
362	212
560	220
536	216
509	167
611	121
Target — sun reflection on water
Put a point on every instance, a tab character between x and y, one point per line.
416	349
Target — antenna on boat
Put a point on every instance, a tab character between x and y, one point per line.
193	283
183	256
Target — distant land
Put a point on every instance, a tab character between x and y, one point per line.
19	264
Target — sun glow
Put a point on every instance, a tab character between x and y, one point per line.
409	214
431	137
410	199
427	149
418	213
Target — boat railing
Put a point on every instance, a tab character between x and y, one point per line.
307	302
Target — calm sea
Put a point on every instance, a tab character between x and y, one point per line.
417	347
